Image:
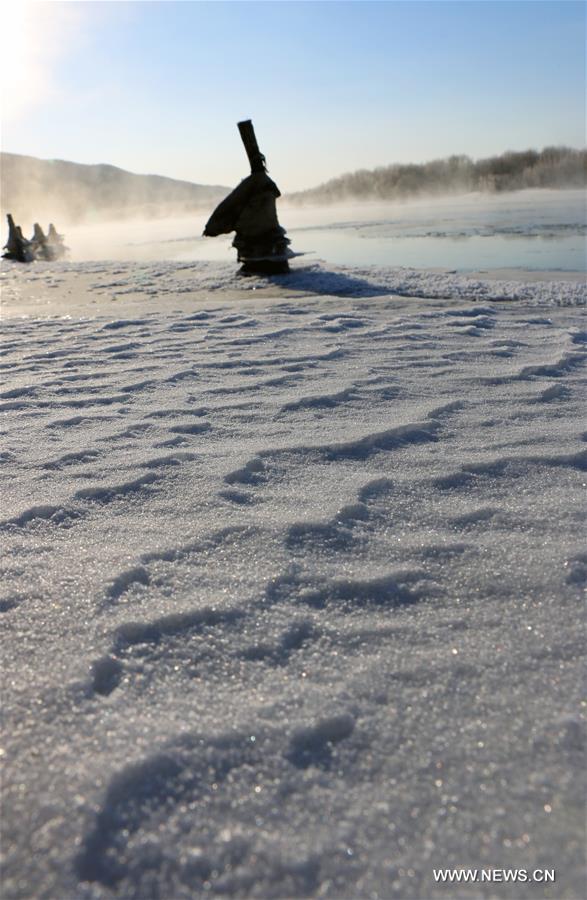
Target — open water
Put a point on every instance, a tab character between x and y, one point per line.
530	230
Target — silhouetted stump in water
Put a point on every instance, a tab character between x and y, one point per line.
41	246
250	211
17	247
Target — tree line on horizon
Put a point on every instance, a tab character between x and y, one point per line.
65	192
552	167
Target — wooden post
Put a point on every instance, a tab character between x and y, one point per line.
249	139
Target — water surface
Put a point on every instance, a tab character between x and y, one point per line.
531	230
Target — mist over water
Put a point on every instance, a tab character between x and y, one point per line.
542	229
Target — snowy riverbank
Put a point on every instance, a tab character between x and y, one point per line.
291	581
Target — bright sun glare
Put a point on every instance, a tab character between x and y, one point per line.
32	37
16	56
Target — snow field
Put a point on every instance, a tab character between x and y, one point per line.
291	592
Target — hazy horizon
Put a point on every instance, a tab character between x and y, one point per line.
332	87
33	190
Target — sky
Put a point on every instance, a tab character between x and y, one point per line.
157	87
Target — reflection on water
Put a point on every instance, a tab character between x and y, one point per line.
527	229
461	253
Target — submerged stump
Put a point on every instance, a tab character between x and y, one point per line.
44	247
17	247
250	211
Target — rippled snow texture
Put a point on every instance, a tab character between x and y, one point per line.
291	594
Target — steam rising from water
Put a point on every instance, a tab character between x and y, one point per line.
527	229
146	239
422	229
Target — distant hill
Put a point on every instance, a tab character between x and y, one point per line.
65	192
553	167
